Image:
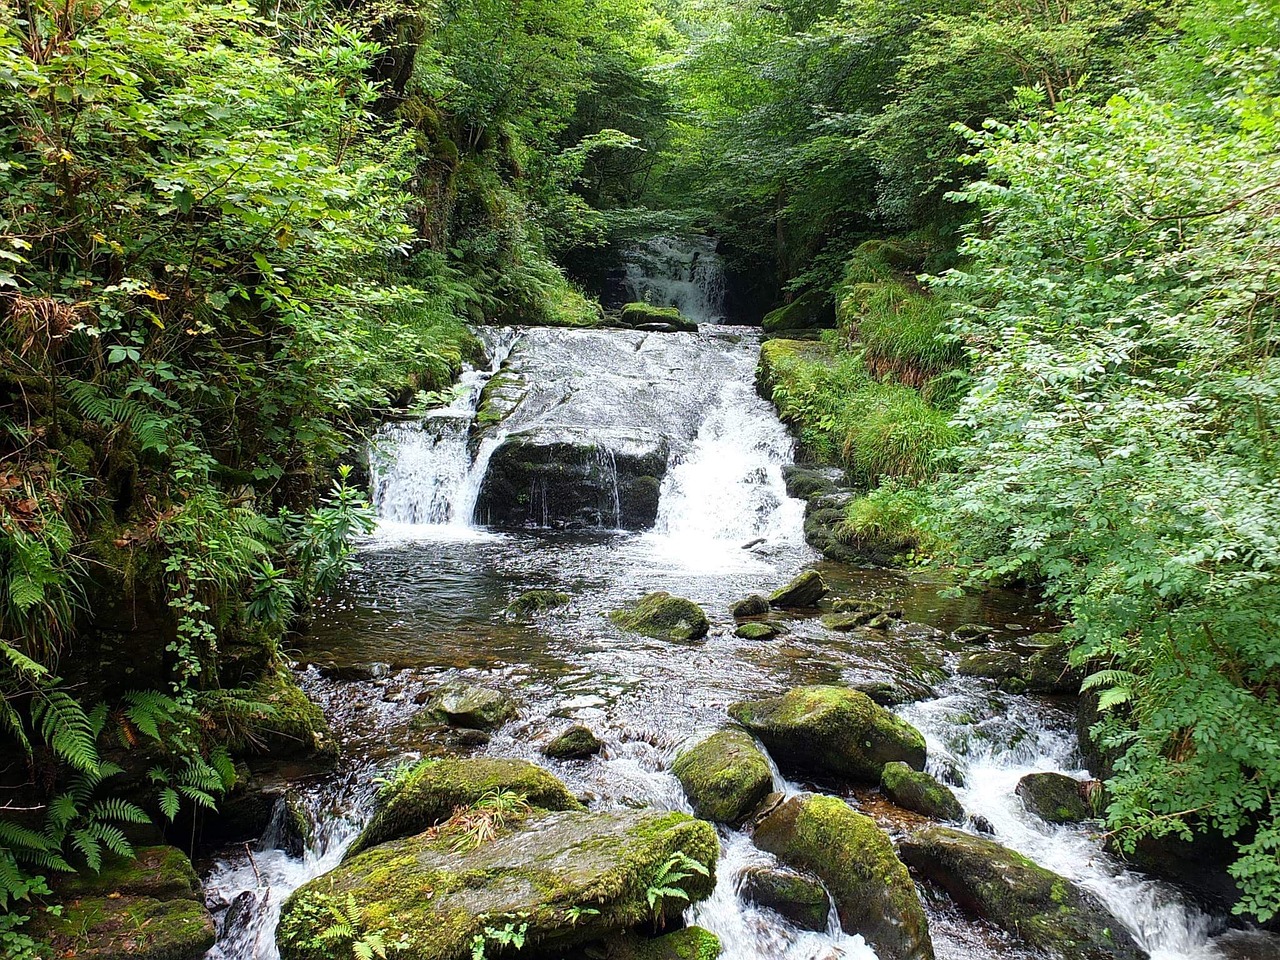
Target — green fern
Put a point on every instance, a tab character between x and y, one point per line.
152	431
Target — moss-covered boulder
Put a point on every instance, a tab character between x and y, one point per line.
973	632
990	665
294	727
916	790
434	895
725	776
535	601
576	743
849	620
467	705
664	617
428	794
756	630
801	593
873	893
645	316
149	908
798	897
1037	906
812	310
1050	671
691	943
1053	797
752	606
831	730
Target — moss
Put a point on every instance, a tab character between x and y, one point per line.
635	314
812	310
535	601
757	631
159	872
294	727
873	892
991	665
752	606
459	704
664	617
576	743
802	592
1054	797
116	927
428	795
916	790
725	776
799	897
691	943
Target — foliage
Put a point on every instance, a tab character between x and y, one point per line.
892	516
348	927
666	882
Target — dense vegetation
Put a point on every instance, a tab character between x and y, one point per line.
1043	235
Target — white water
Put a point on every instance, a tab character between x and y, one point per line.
671	272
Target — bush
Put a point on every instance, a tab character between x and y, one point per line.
903	331
889	520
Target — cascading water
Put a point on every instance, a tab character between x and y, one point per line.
683	273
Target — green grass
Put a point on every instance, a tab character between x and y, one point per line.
888	518
902	328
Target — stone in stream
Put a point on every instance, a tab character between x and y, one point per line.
752	606
831	731
1053	797
1035	905
664	617
149	908
801	593
756	630
435	892
916	790
645	316
799	898
973	632
725	776
991	665
576	743
428	794
1049	670
460	704
873	893
843	622
535	601
691	943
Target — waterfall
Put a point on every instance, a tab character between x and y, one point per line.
683	273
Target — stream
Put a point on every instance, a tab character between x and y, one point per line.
429	602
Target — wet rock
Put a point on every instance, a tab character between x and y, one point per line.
831	730
535	601
466	738
664	617
757	631
1049	670
1053	797
691	943
725	776
428	793
990	665
460	704
801	593
799	898
982	825
1248	945
645	316
1037	906
294	730
973	632
890	693
576	743
1199	866
916	790
805	483
873	893
752	606
843	622
812	310
436	895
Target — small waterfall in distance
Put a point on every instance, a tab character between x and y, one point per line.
684	273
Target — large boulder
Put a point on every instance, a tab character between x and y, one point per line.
433	895
576	743
831	730
1054	797
428	794
1050	671
149	908
996	665
461	704
798	897
664	617
801	593
1037	906
812	310
873	893
725	776
645	316
916	790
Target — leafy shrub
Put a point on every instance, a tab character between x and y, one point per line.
889	431
893	518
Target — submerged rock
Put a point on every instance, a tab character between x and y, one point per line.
873	893
1034	904
664	617
725	776
831	730
461	704
803	592
427	795
752	606
1053	797
576	743
434	895
843	622
801	899
691	943
757	631
535	601
916	790
973	632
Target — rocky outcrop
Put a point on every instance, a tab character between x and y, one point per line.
663	617
916	790
645	316
812	310
873	893
1053	797
831	731
802	593
429	793
434	895
801	899
1037	906
576	743
725	776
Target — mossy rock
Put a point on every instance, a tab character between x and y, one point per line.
295	727
1035	905
844	622
805	483
160	872
434	895
1053	797
812	310
831	730
1050	671
752	606
725	776
645	316
891	692
991	665
459	704
801	593
536	601
664	617
801	899
576	743
916	790
429	794
873	892
756	630
691	943
973	632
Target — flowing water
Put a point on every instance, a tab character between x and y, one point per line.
682	273
430	604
